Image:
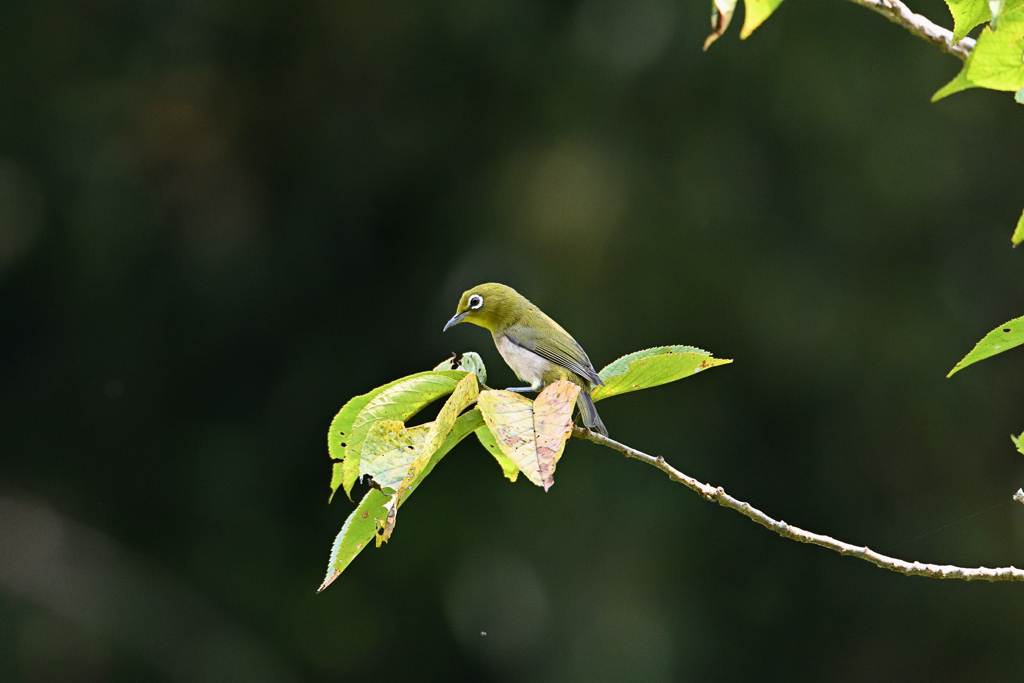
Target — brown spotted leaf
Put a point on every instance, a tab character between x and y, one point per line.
465	393
552	421
362	524
531	434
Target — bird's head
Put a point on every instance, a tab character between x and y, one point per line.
490	306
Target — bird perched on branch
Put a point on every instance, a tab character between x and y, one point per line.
537	349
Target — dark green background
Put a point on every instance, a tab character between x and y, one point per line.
220	220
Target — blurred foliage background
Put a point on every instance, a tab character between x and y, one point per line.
219	220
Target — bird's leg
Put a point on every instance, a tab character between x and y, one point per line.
520	390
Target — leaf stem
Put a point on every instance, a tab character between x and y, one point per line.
718	495
898	13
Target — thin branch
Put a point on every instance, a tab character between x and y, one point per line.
898	13
718	495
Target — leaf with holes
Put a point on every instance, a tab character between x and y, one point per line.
465	393
469	362
398	400
1006	336
652	367
388	451
532	434
360	527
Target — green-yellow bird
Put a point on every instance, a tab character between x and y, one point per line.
537	349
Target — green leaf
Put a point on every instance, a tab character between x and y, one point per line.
464	394
997	61
532	433
337	476
966	15
958	84
398	400
1019	96
470	362
755	12
388	451
361	526
652	367
1018	234
1018	441
721	15
995	11
1006	336
508	468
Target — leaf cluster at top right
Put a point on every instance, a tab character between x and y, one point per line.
997	61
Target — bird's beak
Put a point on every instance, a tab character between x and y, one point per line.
456	319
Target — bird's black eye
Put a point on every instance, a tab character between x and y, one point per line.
476	301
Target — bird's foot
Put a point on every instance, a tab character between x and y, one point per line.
520	390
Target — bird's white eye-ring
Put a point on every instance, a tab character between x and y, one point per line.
475	302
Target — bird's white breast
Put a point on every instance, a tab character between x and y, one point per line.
527	365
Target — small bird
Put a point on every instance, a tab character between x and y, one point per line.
537	349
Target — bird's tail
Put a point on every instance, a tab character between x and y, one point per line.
588	411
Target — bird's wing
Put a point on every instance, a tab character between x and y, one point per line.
559	350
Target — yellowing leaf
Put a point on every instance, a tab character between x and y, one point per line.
532	434
398	400
508	468
652	367
721	15
552	421
388	451
755	12
1006	336
360	527
464	394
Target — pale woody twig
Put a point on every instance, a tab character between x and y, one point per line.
898	13
718	495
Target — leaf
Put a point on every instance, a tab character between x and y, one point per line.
1019	96
337	476
532	434
1018	233
470	362
1018	441
995	10
552	420
388	451
721	15
958	84
508	468
1006	336
997	58
997	61
398	400
652	367
755	12
360	527
464	394
966	15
